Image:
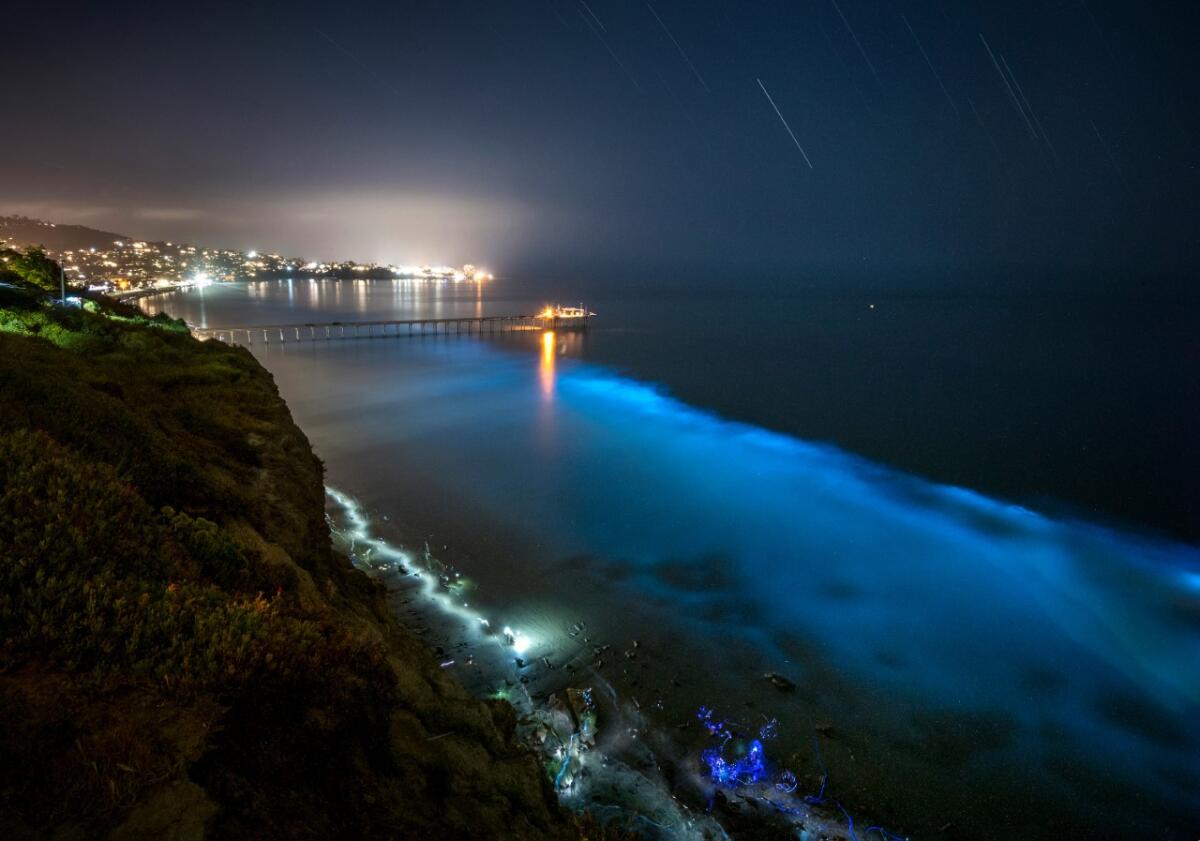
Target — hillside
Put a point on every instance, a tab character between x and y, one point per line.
113	262
23	232
182	654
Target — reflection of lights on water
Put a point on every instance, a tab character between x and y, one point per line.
547	367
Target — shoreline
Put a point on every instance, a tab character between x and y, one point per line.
638	760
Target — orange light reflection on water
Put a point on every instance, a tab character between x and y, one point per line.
546	370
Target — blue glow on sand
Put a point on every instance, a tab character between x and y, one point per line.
741	763
748	764
745	770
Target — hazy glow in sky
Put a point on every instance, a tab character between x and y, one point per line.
384	226
938	140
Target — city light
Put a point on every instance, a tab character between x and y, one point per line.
137	267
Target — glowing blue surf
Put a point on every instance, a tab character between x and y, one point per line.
909	547
800	557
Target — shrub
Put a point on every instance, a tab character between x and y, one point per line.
92	577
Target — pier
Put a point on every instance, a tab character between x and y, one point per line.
332	330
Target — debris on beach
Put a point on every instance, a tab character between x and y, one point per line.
780	682
567	729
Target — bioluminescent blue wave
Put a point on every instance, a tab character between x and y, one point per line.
925	602
959	634
960	659
959	578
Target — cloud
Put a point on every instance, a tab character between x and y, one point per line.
170	214
80	213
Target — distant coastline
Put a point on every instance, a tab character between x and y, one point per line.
102	261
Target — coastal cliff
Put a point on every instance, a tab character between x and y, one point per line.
182	653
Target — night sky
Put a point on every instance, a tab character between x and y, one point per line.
919	141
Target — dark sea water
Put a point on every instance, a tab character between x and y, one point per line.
964	528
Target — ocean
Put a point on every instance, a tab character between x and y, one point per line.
962	531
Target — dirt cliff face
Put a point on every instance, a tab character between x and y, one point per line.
182	655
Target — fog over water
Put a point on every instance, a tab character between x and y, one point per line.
1011	669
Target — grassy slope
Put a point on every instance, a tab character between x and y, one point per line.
180	650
